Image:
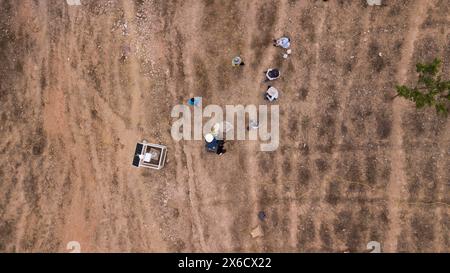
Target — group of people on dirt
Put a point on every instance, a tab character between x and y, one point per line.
271	94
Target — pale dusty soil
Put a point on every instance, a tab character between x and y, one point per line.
72	109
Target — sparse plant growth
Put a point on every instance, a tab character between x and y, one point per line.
306	120
430	90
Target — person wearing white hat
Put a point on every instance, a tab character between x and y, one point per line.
209	138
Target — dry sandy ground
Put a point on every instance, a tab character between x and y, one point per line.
79	86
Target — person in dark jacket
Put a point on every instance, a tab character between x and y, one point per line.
272	74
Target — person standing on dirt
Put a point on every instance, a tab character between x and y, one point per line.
237	61
272	74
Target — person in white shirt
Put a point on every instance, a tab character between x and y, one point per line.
283	42
271	94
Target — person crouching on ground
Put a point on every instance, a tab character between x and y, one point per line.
272	74
283	42
237	61
271	94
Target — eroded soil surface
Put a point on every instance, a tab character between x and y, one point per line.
80	85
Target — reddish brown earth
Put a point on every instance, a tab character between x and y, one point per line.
79	86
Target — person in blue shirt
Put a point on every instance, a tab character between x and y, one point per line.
194	101
214	145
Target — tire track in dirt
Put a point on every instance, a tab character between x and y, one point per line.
135	86
76	227
184	71
398	178
86	128
189	69
21	205
193	190
29	192
54	126
83	212
170	45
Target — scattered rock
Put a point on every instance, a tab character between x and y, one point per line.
257	232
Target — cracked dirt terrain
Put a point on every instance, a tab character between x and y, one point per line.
80	85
